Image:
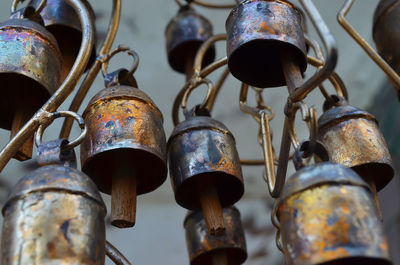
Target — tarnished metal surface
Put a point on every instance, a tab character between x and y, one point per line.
30	65
200	147
386	33
258	32
62	21
353	138
123	121
201	245
185	33
54	215
328	216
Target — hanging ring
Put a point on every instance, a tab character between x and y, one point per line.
37	10
203	105
105	60
58	114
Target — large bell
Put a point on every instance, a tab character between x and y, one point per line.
386	32
54	215
30	68
327	215
63	22
205	168
125	150
258	33
185	33
352	138
205	249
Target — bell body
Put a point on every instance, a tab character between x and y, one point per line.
201	245
328	215
63	22
54	215
352	138
386	33
124	125
200	147
258	32
30	67
185	33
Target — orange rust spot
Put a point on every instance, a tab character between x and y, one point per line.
264	27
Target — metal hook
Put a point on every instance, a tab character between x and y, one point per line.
37	10
190	90
121	48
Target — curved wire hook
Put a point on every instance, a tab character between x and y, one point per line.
205	103
39	9
105	60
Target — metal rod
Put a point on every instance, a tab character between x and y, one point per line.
217	89
95	69
42	115
117	257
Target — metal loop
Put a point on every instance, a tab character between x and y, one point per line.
205	103
37	10
255	112
105	60
58	114
275	222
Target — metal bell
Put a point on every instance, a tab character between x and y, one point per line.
204	249
30	68
125	150
63	22
185	33
327	215
54	215
386	32
258	33
352	138
205	168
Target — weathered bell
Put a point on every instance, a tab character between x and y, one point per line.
63	22
54	215
205	168
205	249
258	33
185	33
125	150
327	215
352	138
30	68
386	33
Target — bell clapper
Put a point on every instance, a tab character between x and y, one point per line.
220	258
123	199
291	71
372	184
211	206
21	116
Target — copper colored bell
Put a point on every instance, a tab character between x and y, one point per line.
54	215
125	150
352	138
185	33
258	32
327	215
205	168
30	68
386	32
204	248
63	22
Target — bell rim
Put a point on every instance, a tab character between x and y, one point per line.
239	253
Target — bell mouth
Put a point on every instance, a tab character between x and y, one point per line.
380	173
362	260
235	255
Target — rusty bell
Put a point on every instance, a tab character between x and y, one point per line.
185	33
258	32
352	138
63	22
201	147
328	215
201	245
386	33
54	215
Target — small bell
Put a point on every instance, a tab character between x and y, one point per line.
125	150
30	68
352	138
205	249
386	33
205	169
327	216
185	33
63	22
258	33
54	215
